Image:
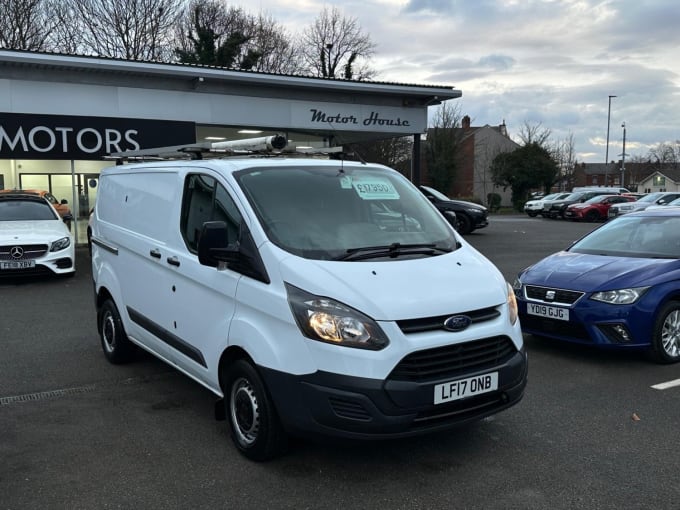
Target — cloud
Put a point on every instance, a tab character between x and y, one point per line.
549	61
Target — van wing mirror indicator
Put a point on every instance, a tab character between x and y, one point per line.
214	247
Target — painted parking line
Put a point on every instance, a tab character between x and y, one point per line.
666	385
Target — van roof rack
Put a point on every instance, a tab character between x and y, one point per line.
275	145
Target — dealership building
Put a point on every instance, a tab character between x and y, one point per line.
62	115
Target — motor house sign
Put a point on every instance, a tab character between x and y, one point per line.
360	118
24	136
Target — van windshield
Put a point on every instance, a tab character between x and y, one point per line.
345	213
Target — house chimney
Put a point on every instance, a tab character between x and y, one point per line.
466	122
503	129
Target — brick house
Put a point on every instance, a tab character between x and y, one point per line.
478	147
642	177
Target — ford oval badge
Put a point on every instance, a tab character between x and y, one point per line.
457	323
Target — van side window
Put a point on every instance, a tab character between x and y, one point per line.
206	200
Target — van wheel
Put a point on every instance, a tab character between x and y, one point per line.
254	424
117	348
666	340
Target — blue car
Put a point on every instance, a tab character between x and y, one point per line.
617	287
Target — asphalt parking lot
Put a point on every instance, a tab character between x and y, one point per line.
77	432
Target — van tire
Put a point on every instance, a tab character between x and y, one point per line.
254	423
115	344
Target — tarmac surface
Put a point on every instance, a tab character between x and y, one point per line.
79	433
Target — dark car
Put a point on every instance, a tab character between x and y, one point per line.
617	287
467	216
557	208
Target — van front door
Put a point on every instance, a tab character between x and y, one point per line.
202	302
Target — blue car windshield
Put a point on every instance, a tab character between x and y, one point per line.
634	236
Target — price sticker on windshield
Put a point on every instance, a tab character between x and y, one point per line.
375	189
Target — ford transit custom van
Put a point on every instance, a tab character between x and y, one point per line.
312	297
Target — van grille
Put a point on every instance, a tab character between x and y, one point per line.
431	323
451	360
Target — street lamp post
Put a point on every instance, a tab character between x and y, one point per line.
606	154
623	156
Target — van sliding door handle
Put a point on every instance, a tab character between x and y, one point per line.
155	254
173	261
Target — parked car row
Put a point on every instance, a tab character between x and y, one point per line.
660	198
596	208
535	207
558	208
596	204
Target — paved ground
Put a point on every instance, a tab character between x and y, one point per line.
77	432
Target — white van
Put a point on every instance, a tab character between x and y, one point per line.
312	296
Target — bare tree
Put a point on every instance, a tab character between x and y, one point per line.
442	147
564	154
393	152
277	49
335	46
26	24
534	133
67	37
665	153
130	29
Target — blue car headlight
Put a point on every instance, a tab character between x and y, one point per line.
620	296
517	284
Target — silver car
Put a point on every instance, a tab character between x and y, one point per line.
656	198
535	207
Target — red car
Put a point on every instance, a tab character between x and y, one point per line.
597	208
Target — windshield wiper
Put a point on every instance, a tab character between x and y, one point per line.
393	250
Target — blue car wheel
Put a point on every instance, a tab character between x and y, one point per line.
666	339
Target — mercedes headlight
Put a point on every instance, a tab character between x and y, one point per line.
327	320
61	244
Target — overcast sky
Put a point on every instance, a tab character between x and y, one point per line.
553	62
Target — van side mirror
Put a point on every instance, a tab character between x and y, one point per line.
63	201
213	245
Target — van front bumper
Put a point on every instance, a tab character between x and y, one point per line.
336	405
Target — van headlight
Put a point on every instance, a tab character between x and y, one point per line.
60	244
512	305
327	320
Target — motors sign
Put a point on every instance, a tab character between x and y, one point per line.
24	136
